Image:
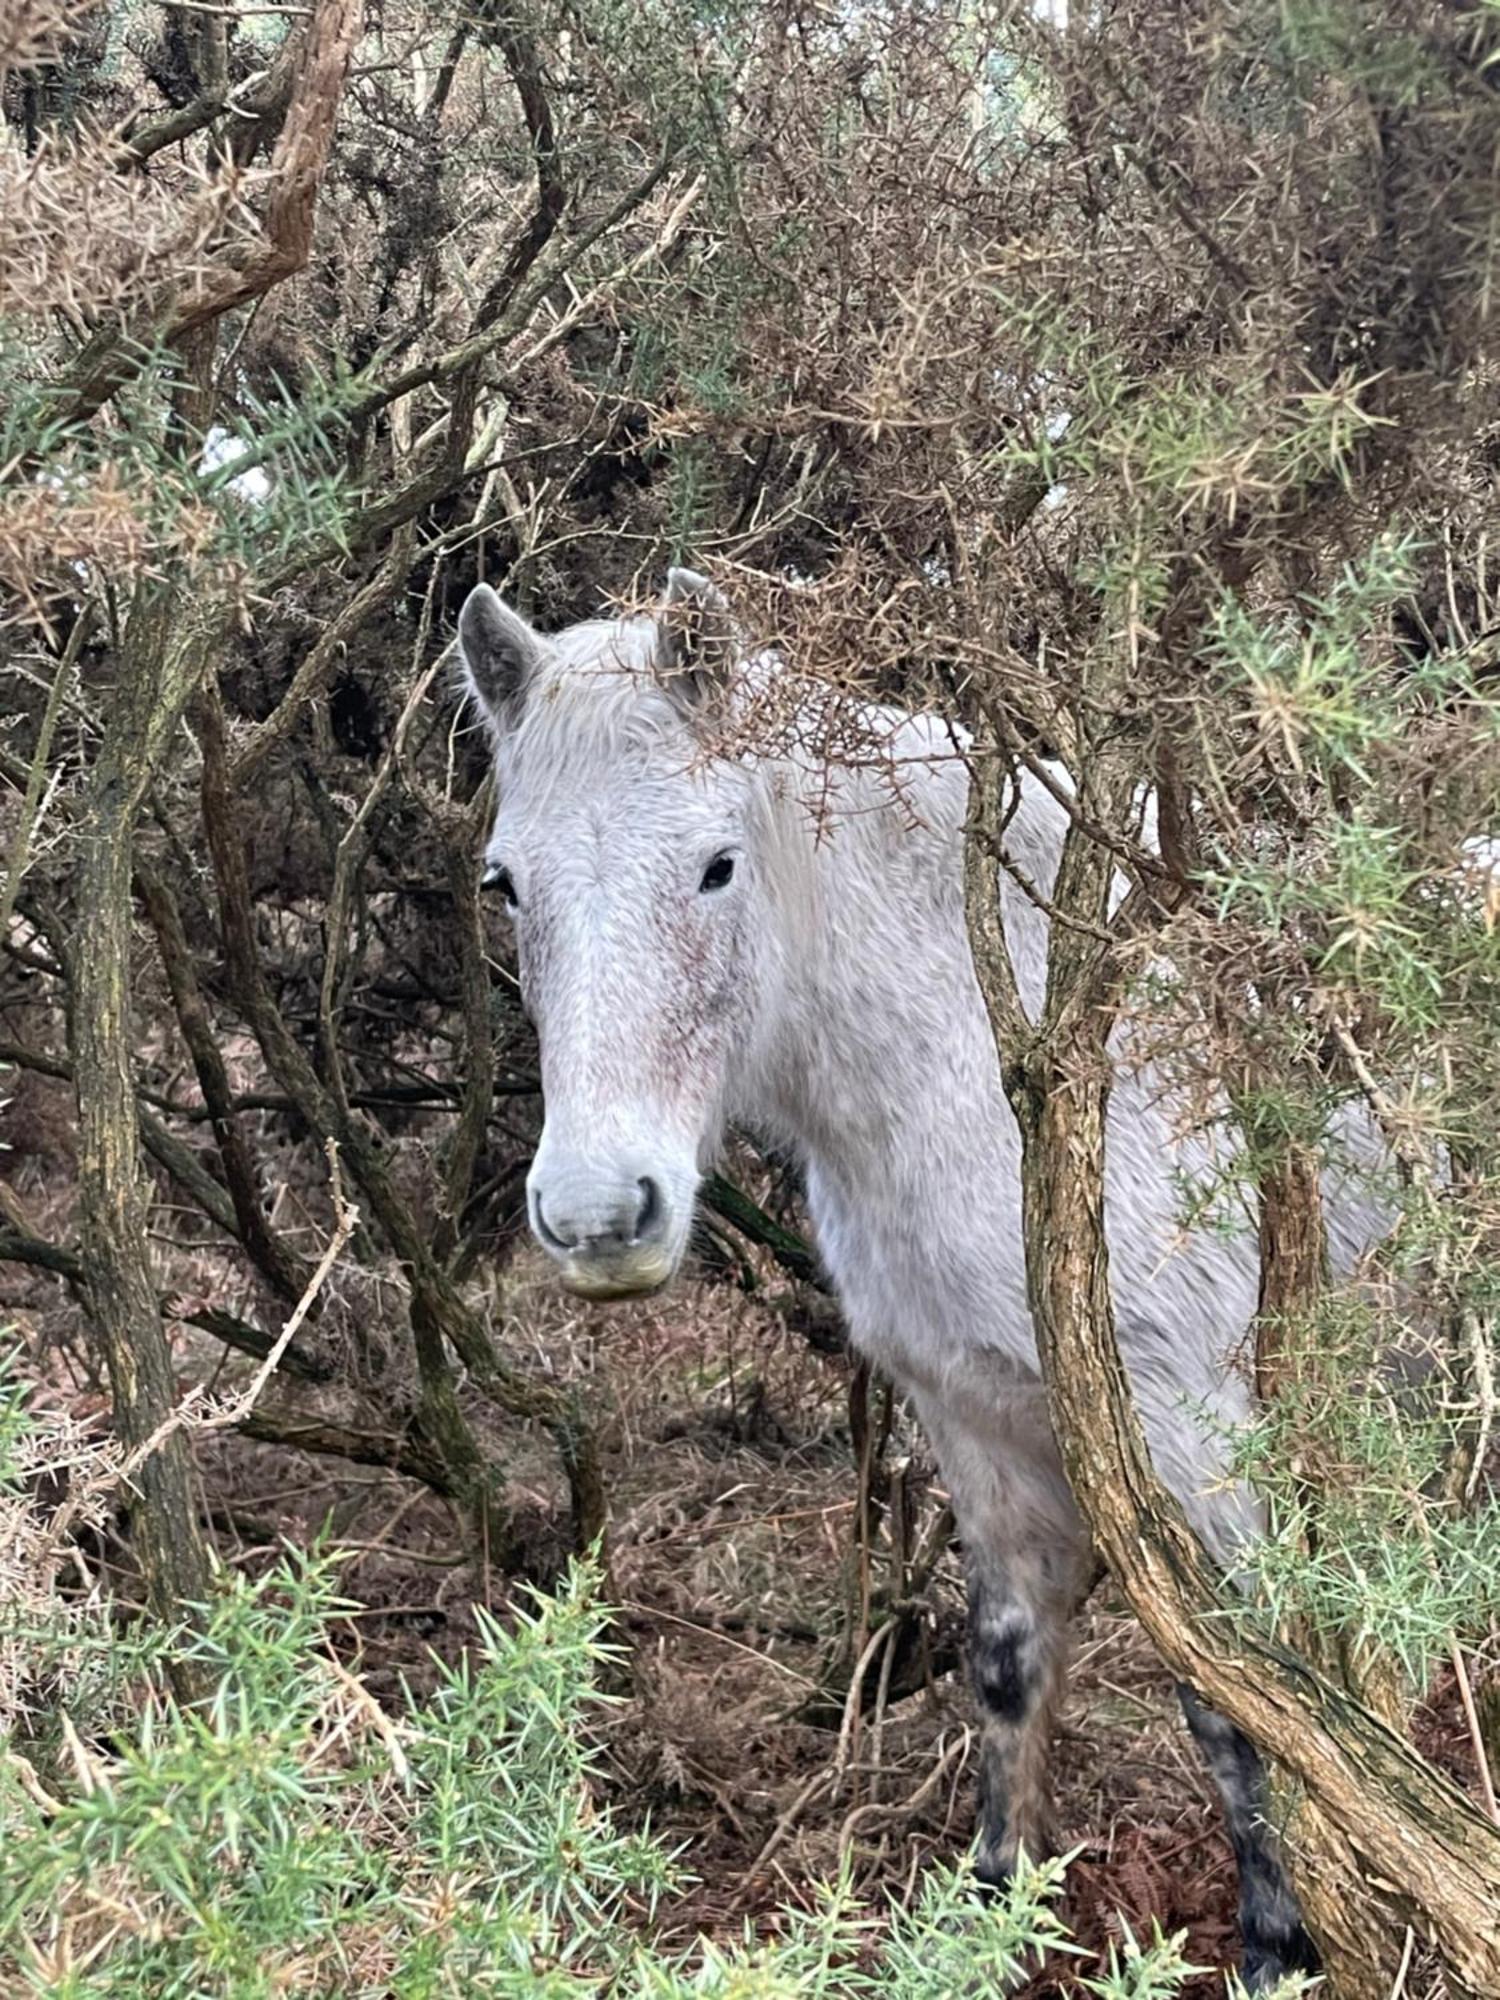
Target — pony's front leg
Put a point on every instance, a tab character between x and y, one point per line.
1027	1559
1017	1660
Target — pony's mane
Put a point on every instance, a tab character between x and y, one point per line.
597	683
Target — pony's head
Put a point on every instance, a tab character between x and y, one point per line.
630	859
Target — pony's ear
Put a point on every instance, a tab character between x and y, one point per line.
697	637
499	650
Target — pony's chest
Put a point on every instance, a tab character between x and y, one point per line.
914	1290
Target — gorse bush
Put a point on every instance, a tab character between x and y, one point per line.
1346	953
291	1837
57	1652
287	1834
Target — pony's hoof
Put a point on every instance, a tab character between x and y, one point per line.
995	1869
993	1876
1267	1964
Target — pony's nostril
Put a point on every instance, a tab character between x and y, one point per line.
544	1228
582	1225
649	1218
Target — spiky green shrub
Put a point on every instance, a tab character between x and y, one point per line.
288	1834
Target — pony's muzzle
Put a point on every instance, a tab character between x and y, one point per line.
609	1234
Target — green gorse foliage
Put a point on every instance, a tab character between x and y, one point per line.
290	1835
1359	973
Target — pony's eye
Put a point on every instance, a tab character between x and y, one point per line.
718	872
497	882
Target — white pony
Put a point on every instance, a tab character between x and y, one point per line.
779	940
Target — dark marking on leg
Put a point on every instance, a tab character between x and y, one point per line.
1013	1663
1004	1677
1270	1922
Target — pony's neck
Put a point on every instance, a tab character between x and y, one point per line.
877	1027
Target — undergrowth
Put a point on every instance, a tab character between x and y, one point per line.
290	1834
